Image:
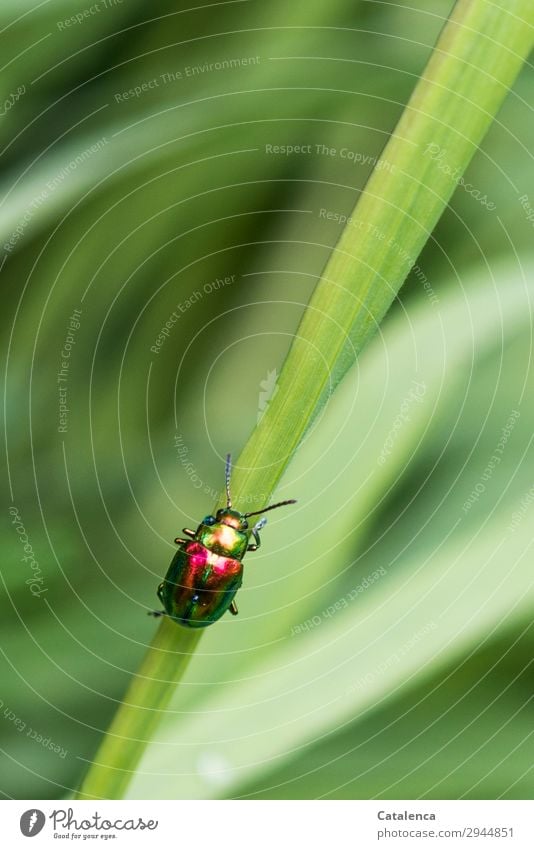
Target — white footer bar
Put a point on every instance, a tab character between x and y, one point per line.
273	824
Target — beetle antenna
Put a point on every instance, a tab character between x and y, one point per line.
227	479
272	507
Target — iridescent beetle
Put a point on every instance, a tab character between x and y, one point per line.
207	570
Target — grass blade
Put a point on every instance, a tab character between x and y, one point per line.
477	58
140	713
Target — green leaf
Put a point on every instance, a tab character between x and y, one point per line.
414	619
476	60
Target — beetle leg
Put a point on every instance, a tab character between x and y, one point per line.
255	545
180	541
233	609
189	532
156	613
257	542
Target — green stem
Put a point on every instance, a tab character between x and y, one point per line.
476	59
138	716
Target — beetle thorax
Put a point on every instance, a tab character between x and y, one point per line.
224	539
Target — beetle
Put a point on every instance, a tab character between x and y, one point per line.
207	570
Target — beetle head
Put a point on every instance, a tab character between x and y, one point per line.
232	518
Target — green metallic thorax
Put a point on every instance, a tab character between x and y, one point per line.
223	539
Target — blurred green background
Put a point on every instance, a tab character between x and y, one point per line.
384	643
